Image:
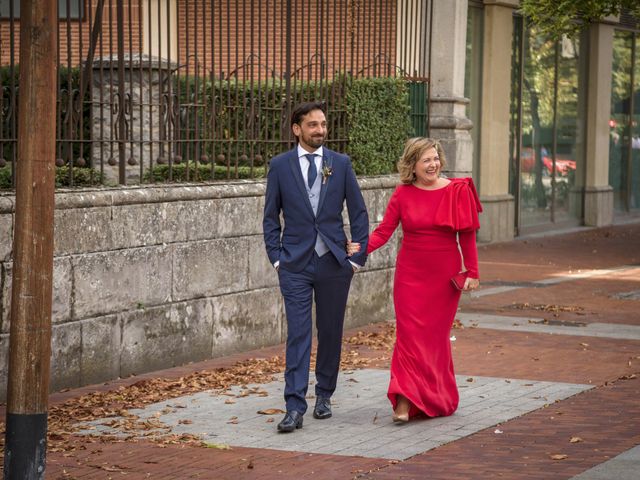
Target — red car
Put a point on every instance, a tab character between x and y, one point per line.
563	165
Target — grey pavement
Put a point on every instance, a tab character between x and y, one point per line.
361	424
625	466
556	279
538	325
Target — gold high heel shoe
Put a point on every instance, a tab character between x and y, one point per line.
402	406
400	417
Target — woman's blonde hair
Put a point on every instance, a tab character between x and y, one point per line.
414	148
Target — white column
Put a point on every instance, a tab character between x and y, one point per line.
598	204
157	31
448	118
498	218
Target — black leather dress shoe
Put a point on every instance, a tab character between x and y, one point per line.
290	422
322	409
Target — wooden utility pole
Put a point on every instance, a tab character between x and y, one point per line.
30	334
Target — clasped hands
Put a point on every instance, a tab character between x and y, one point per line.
469	284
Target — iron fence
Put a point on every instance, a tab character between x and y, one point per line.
167	90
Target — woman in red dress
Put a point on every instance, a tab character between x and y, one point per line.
437	214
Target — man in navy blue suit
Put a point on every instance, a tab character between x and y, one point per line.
309	186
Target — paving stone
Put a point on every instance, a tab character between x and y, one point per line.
361	416
536	325
623	467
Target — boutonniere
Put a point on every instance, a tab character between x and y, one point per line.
327	171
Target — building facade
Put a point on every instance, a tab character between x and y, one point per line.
555	123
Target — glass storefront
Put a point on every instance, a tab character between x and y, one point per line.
624	124
473	78
547	144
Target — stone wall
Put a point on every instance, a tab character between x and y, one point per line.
152	277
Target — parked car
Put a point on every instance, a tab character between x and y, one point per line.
563	165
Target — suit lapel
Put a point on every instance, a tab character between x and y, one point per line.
326	162
294	163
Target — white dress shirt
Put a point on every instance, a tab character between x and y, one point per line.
304	162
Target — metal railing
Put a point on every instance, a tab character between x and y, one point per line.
155	90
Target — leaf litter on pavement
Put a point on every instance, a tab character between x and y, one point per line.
113	405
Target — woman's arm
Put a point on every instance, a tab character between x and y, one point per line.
389	223
467	242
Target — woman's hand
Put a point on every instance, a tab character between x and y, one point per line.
352	248
471	284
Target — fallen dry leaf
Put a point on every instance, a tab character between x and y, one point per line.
270	411
219	446
558	456
575	440
548	308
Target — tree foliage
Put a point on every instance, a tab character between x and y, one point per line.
568	17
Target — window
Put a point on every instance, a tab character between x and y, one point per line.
76	9
547	125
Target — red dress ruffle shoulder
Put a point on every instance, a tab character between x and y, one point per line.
459	207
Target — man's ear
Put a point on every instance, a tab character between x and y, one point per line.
296	129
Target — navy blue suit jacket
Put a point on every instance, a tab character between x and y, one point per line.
293	243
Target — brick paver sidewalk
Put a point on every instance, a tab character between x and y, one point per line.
587	414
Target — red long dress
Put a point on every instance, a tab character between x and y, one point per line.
425	301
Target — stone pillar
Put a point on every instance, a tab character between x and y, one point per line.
147	87
160	28
498	219
598	201
448	120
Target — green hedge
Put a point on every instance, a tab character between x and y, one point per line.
379	124
200	173
371	114
82	177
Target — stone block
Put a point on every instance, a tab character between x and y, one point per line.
598	206
120	280
261	272
209	268
497	219
5	296
100	354
4	365
62	292
83	230
164	337
370	298
147	224
385	256
247	320
377	201
6	236
66	348
235	216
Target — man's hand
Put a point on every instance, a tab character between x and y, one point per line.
352	248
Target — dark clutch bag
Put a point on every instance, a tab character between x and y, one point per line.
458	280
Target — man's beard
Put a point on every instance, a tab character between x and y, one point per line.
315	142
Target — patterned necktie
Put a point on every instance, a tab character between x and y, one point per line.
312	173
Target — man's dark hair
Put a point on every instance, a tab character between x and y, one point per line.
303	108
